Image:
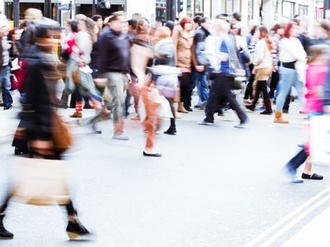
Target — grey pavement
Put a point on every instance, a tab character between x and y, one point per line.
214	186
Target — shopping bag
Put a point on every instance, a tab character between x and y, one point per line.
320	139
40	181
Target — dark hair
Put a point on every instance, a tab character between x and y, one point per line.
11	33
133	23
276	27
237	16
74	26
170	24
253	29
96	17
204	19
115	15
197	19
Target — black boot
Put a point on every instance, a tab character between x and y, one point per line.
76	231
4	234
268	110
172	129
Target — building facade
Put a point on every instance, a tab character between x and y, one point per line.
266	11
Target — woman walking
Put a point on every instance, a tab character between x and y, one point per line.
263	66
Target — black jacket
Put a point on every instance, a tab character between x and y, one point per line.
114	52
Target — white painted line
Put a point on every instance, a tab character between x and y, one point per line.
268	231
315	233
295	221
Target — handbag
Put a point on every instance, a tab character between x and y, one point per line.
61	135
40	181
320	139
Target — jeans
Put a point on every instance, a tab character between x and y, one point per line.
297	160
5	86
288	78
199	79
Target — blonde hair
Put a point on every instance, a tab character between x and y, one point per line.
32	14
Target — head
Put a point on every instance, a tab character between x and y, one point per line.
220	26
143	26
197	21
118	22
98	20
81	18
74	26
322	29
278	28
236	17
242	31
233	28
291	30
318	53
48	32
32	14
170	24
206	23
132	25
186	24
92	29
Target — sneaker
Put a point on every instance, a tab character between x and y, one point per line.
242	124
204	122
76	231
8	108
120	136
4	234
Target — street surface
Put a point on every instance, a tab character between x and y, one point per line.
215	186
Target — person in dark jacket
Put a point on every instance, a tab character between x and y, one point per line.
201	62
36	115
114	64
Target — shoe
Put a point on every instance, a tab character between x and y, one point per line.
292	175
152	154
203	122
197	106
242	124
76	114
8	108
120	136
314	176
4	234
137	117
285	111
170	131
188	108
21	150
250	107
77	231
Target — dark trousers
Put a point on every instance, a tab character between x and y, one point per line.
261	88
185	88
221	92
297	160
273	83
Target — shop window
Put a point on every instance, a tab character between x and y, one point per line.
288	9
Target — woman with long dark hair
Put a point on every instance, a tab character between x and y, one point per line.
263	66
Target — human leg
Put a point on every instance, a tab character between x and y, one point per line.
5	82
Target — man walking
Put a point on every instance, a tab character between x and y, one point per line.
114	64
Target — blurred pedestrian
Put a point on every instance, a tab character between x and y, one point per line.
37	115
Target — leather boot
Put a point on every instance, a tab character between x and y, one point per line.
172	129
268	110
181	108
279	119
4	234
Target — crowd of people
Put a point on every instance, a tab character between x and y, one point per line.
106	64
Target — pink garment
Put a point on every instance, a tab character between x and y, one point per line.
315	78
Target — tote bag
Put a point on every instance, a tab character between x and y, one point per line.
40	181
320	139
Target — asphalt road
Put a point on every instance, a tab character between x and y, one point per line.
215	186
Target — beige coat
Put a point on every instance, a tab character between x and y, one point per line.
183	42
